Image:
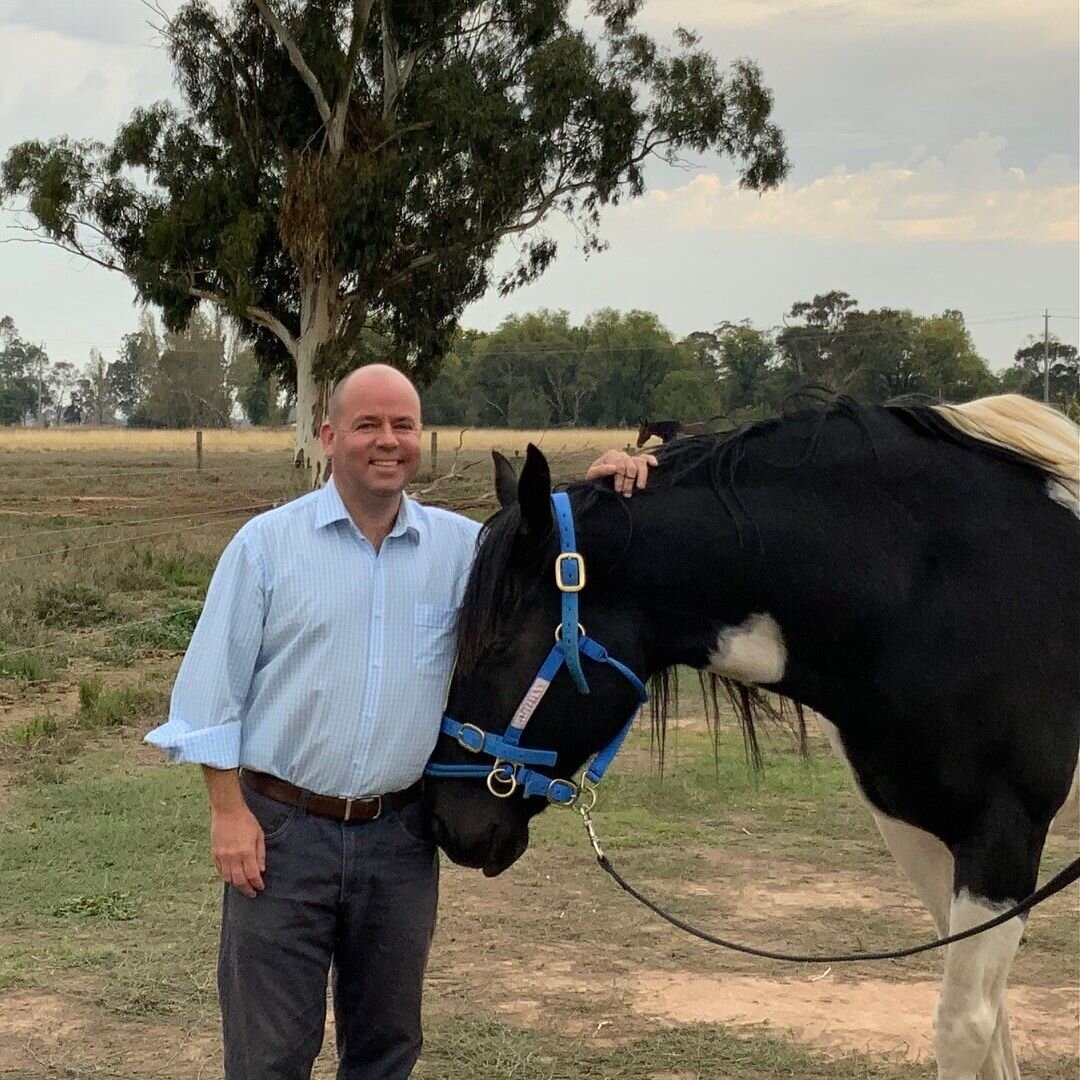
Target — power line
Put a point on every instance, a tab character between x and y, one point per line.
105	629
102	543
164	469
137	521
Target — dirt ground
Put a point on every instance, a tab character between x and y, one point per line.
553	946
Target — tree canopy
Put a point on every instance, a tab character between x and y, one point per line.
341	172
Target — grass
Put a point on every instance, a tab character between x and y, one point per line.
72	604
108	899
171	631
70	440
466	1048
27	667
81	440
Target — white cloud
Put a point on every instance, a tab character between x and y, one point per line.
969	195
107	22
56	84
1046	18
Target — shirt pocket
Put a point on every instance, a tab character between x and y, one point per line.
434	634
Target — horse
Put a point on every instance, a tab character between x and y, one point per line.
666	430
907	571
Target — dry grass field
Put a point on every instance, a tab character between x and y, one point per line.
108	903
268	440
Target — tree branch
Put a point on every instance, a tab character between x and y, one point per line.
297	58
361	15
256	315
70	247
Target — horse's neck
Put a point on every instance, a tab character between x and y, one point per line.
761	569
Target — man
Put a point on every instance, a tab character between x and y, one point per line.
311	696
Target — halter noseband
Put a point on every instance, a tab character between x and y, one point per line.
512	766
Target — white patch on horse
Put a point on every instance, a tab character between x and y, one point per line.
971	1032
752	652
1067	819
972	997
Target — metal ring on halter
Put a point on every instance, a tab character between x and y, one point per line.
558	631
587	792
495	777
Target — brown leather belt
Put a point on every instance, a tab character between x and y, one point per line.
328	806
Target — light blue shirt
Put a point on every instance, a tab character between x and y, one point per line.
317	659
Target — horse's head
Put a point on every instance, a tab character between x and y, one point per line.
511	612
643	433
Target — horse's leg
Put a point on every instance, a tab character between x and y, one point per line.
994	868
928	864
930	867
925	860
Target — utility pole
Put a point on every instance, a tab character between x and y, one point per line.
1046	356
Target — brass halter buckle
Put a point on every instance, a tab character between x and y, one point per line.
562	577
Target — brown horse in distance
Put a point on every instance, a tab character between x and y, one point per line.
666	430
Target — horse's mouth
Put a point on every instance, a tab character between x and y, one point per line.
503	859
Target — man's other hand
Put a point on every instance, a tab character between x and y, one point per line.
239	849
629	472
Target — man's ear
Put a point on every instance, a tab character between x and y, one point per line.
506	481
534	493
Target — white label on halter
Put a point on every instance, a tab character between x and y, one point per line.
529	702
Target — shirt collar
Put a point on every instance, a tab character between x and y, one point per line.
330	508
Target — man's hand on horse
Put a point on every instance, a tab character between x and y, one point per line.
629	472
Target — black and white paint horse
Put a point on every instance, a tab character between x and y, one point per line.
909	572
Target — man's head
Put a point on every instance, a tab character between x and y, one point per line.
372	432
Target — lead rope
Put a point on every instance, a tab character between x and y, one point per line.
1059	881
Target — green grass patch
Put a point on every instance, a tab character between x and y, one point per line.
171	631
30	667
111	870
114	906
72	604
101	707
190	570
465	1047
35	729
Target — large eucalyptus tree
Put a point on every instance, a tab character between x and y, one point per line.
341	172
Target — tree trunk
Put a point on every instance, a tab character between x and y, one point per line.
312	396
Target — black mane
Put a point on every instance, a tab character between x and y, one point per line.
505	568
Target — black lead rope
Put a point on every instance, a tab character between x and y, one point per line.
1061	880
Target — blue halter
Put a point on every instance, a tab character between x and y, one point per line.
511	767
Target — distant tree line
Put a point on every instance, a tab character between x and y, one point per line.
541	370
615	368
203	377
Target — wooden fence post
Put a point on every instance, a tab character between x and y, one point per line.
434	453
198	450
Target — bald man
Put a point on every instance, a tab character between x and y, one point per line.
311	696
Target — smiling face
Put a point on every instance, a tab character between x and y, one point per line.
372	433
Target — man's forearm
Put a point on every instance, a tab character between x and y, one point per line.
223	787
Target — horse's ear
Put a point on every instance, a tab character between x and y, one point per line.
505	480
534	493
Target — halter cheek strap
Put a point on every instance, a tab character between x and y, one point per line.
570	578
512	763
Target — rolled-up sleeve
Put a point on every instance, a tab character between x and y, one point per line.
214	681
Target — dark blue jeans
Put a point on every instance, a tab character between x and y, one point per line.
358	897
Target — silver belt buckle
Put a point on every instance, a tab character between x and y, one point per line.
348	809
378	812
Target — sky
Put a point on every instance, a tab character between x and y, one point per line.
934	146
